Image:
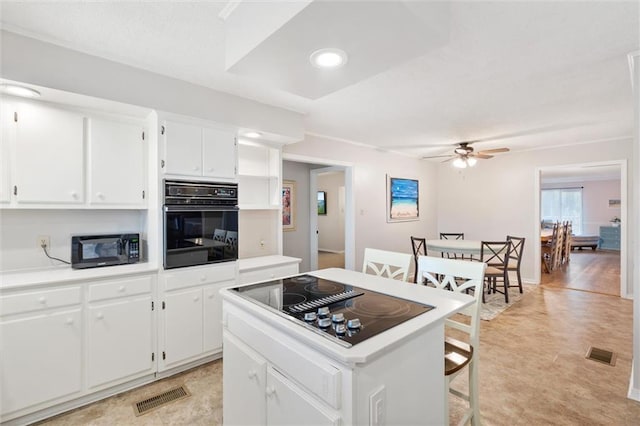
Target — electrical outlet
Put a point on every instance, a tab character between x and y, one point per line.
43	240
262	244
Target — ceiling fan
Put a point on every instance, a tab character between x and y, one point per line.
464	155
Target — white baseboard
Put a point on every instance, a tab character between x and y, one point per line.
634	393
331	251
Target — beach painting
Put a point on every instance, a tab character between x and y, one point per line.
402	199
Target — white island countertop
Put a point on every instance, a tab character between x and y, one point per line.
446	303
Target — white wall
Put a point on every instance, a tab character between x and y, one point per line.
595	202
296	242
496	197
331	225
370	168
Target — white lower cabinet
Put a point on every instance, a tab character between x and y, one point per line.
41	348
183	326
273	398
119	331
191	313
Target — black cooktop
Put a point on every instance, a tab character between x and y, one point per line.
343	313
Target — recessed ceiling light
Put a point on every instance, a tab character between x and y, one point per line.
328	58
15	90
252	134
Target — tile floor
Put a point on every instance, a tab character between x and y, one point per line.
533	370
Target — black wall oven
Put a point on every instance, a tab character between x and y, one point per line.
200	223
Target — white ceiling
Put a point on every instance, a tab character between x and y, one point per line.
519	74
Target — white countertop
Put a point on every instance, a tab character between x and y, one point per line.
446	303
252	263
47	276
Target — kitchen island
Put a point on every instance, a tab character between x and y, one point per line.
279	370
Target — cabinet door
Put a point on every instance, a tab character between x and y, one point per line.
116	163
6	130
287	404
182	326
182	149
244	381
119	340
213	316
41	359
219	153
49	153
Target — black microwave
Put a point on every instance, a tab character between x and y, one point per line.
91	251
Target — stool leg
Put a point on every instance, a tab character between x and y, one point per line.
474	399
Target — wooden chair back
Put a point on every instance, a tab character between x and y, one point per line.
419	248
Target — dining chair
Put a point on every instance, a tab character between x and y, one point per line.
231	243
454	236
419	247
389	264
459	276
495	254
566	245
515	258
548	250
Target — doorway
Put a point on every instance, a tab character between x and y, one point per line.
304	242
604	189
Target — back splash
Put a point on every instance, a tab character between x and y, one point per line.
20	229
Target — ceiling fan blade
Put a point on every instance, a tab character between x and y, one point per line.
481	156
493	151
449	159
438	156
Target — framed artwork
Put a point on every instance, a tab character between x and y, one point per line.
322	202
402	199
614	203
288	205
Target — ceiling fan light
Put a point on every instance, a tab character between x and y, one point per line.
459	163
471	161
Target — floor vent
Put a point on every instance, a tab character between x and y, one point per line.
601	355
143	407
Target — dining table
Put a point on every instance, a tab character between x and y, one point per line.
545	235
465	247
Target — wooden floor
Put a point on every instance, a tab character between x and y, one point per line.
595	271
330	260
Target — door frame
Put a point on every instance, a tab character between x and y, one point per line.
623	216
349	206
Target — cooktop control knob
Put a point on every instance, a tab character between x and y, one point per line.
341	329
354	323
337	317
324	322
310	316
323	312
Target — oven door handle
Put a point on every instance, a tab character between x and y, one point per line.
186	209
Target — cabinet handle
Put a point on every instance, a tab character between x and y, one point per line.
273	275
100	195
196	168
100	316
210	169
270	391
211	295
121	289
203	278
69	321
196	298
74	195
252	374
42	300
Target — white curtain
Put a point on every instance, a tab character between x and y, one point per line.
563	204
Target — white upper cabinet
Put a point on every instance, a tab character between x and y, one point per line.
199	151
49	155
6	129
219	153
183	149
116	163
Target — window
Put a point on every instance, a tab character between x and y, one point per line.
563	204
